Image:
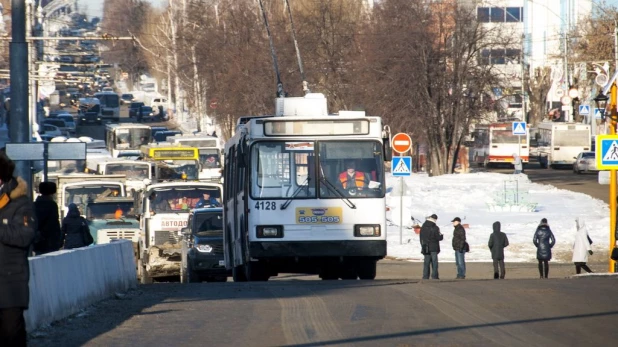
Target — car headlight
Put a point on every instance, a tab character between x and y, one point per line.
151	114
269	231
365	230
203	248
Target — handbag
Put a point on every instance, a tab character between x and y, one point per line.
87	237
614	255
466	247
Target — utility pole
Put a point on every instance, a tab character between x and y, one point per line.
615	45
523	79
19	129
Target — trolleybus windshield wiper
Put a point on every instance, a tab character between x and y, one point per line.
296	192
332	188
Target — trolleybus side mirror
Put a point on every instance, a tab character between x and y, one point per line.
186	231
388	151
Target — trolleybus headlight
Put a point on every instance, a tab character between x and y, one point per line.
266	231
366	230
204	248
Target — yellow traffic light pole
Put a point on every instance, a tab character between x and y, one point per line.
612	178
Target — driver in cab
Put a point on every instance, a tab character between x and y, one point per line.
351	178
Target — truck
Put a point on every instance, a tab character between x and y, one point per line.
163	210
112	218
80	188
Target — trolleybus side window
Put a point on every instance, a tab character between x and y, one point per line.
231	169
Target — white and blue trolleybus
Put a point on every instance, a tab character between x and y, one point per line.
305	193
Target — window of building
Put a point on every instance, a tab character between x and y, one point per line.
482	14
513	56
497	57
484	60
514	14
497	14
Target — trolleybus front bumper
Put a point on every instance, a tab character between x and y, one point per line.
347	248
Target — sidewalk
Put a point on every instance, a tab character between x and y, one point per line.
397	269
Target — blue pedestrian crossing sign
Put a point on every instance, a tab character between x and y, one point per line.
607	152
584	110
401	166
598	113
519	128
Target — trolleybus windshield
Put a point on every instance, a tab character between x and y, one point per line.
287	169
139	171
180	199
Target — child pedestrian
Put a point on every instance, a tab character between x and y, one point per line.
497	242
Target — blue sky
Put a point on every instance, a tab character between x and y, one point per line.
95	7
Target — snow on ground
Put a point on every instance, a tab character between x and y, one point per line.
470	196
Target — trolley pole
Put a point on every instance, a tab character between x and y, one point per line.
400	210
19	128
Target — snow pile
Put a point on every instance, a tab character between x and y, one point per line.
474	197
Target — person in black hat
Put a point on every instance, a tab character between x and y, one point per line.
17	229
459	246
430	238
49	236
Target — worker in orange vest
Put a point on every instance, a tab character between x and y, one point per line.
351	178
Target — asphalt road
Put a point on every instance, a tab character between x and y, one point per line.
564	178
395	310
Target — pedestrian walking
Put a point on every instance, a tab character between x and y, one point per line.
544	241
75	229
430	238
518	164
582	247
17	230
459	246
498	241
49	236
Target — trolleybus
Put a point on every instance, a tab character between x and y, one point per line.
110	105
559	143
502	145
287	204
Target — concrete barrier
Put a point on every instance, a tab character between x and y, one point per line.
64	282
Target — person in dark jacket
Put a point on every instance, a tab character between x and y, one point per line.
497	242
544	241
49	236
459	242
74	226
17	230
430	238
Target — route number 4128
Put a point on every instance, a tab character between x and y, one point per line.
266	205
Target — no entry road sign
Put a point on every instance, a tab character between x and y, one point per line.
401	143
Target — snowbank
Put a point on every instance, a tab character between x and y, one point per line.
480	199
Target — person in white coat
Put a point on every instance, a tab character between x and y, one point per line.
581	247
517	163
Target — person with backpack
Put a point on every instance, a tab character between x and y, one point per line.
430	238
498	241
75	229
49	236
544	241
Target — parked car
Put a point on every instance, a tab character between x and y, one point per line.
585	161
126	99
145	113
49	131
202	255
134	108
69	120
60	124
156	102
161	136
155	130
